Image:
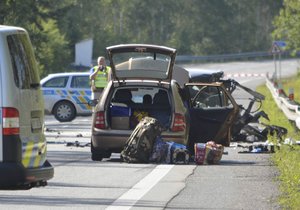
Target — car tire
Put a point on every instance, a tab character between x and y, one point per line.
96	157
64	111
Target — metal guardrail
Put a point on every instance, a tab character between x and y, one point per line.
290	108
223	57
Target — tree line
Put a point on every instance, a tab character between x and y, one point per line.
193	27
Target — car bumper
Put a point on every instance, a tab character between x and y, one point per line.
115	140
13	174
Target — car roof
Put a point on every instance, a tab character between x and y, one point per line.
5	28
65	74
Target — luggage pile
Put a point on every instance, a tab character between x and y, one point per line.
145	145
169	153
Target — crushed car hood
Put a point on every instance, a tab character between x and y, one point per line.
205	75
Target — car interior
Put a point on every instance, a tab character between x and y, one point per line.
140	102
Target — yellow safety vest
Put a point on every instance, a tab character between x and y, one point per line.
101	77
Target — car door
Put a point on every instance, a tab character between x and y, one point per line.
80	93
54	90
212	112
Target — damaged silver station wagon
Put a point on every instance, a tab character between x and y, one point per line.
146	82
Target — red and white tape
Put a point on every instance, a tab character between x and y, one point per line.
230	75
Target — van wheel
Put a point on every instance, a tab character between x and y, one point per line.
64	111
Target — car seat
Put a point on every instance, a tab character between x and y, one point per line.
162	108
123	96
147	99
161	99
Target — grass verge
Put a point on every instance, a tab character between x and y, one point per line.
294	83
287	158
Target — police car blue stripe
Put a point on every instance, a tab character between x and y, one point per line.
82	106
65	92
75	92
88	92
87	98
48	92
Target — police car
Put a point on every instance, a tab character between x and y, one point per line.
67	95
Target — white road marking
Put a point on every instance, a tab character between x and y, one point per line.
128	199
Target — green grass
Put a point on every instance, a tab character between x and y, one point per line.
294	83
287	158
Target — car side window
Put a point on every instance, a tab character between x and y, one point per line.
80	82
57	82
208	97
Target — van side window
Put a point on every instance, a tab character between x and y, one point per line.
57	82
23	61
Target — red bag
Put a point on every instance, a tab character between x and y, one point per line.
213	153
200	150
209	153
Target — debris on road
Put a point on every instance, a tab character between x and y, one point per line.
77	144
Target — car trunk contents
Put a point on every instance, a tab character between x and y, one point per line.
120	114
129	106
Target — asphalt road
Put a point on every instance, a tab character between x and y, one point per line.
240	181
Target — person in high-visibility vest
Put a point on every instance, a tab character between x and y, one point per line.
99	77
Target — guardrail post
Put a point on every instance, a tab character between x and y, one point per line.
280	90
291	94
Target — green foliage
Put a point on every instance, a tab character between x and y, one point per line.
51	48
53	53
288	25
275	114
292	83
288	161
191	26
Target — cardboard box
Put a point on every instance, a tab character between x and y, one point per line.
121	123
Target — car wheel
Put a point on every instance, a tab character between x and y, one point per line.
64	111
97	157
106	154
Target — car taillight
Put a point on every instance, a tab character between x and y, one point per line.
11	124
100	120
179	123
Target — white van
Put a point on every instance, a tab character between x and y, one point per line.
23	150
